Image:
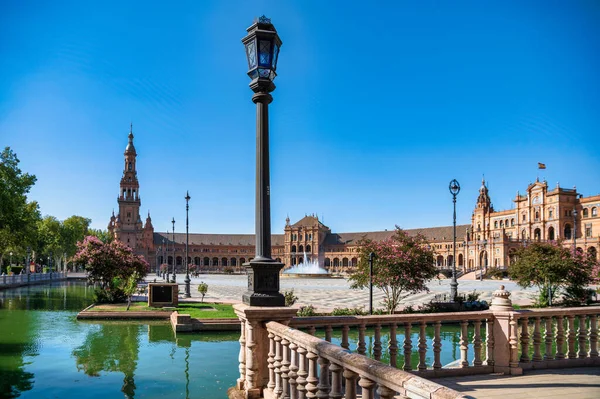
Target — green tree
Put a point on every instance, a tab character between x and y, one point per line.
551	268
402	266
18	217
103	235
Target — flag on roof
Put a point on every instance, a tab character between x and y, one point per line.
541	165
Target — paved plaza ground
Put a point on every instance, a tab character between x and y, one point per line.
325	294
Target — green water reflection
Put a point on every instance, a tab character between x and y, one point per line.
46	352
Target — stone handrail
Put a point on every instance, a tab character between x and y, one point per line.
25	279
553	338
406	324
293	371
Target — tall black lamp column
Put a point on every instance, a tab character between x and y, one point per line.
174	280
187	239
262	46
454	190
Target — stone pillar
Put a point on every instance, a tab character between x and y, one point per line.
253	320
505	334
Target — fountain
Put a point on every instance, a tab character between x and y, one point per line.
308	268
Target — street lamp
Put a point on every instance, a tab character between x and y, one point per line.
454	188
166	272
371	256
574	231
187	238
163	256
483	243
174	280
262	46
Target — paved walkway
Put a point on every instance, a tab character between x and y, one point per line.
329	293
575	383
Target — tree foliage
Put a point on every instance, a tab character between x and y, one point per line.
551	268
109	264
402	266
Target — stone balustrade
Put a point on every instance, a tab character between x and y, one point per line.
303	366
33	278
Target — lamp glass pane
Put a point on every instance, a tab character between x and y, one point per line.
251	54
264	53
275	54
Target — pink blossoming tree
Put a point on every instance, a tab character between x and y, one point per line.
402	266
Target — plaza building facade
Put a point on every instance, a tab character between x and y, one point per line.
541	213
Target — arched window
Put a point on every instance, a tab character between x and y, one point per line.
345	262
242	261
336	262
512	222
293	249
567	233
537	215
594	212
440	261
354	262
308	248
301	249
197	261
310	237
129	166
501	223
327	262
592	253
224	262
233	262
300	260
170	260
179	260
537	234
215	262
206	262
585	212
551	233
460	260
495	224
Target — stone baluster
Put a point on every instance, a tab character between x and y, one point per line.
513	342
323	386
582	337
350	382
277	367
293	374
312	330
477	362
437	345
368	388
242	356
336	381
285	368
251	361
549	338
312	379
524	339
572	333
302	374
328	331
271	361
393	345
362	346
407	347
464	343
560	338
385	392
345	344
537	340
377	343
593	335
422	366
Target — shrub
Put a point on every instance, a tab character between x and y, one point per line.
290	298
306	311
577	296
358	311
202	289
116	295
473	296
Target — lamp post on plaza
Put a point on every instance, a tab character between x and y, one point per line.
27	264
187	239
166	272
163	253
575	231
174	280
262	46
454	188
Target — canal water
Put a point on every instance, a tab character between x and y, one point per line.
45	352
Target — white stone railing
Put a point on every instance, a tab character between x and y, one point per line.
555	338
480	323
24	279
300	366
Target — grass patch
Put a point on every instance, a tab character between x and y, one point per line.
195	310
207	310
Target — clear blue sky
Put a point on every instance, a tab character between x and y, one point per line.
378	106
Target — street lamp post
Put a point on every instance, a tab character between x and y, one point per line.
187	238
163	256
174	280
454	188
27	265
262	46
371	256
166	272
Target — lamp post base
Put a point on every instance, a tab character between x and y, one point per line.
453	289
263	284
187	281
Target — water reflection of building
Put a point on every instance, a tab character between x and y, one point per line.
540	213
